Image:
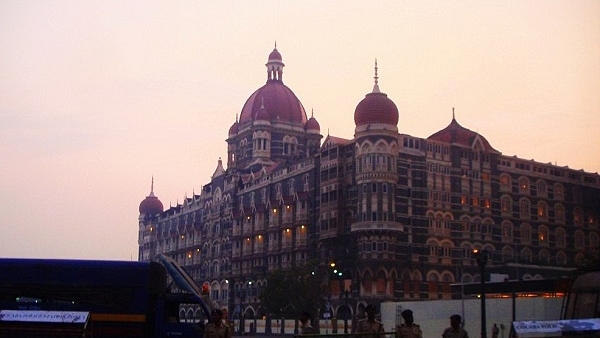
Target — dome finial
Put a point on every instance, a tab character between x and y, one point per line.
152	187
453	113
275	66
376	77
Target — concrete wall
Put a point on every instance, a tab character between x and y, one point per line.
434	316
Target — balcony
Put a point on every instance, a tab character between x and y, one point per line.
377	225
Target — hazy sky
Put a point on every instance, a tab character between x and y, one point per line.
96	97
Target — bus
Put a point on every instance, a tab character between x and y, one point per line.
102	299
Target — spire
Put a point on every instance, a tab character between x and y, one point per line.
152	187
376	86
453	114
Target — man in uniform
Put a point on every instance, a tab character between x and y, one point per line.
455	330
409	329
216	328
370	324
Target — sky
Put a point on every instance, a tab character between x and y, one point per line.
99	96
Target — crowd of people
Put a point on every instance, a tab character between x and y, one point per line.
369	327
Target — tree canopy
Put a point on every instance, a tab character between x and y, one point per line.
293	291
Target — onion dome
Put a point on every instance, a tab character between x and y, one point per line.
233	130
376	108
275	55
278	101
456	134
151	205
312	124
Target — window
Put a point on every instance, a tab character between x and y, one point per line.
560	238
543	235
505	182
525	208
561	258
559	192
524	185
506	204
579	240
541	188
559	213
542	210
525	234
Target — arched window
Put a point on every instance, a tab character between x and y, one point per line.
593	236
579	240
542	190
525	233
544	257
505	182
524	185
542	210
543	238
526	255
559	192
525	207
559	213
560	238
506	204
561	258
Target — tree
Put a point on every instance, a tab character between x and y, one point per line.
299	289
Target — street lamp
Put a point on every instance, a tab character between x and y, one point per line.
347	312
482	257
242	295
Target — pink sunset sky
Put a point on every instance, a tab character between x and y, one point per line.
96	97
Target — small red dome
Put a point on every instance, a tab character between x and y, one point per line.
312	124
151	205
376	108
233	130
275	56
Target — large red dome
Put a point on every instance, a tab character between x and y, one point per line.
375	108
274	101
279	102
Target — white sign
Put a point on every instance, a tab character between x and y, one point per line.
527	328
77	317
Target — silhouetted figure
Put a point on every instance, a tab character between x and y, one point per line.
455	330
409	329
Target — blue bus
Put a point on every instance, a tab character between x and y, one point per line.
85	298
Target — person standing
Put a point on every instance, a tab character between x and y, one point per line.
305	327
455	330
495	331
370	324
409	329
216	328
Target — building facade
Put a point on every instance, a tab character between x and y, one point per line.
398	215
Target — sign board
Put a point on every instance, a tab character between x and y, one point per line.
75	317
555	328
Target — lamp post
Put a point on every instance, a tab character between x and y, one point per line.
347	312
242	298
482	257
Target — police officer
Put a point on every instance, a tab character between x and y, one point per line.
409	329
455	330
216	328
